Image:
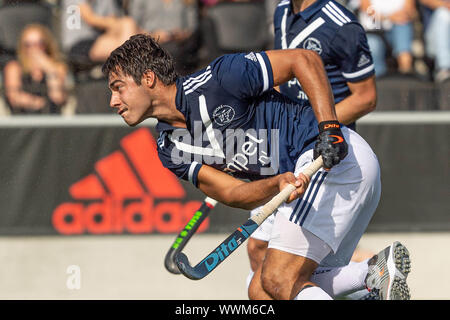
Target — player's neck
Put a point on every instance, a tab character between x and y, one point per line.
300	5
164	107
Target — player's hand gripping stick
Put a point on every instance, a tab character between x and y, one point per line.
218	255
330	144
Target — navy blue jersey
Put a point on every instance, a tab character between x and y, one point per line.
334	33
236	122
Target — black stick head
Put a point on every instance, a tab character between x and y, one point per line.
185	267
169	263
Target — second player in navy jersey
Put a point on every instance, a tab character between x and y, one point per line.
332	31
226	122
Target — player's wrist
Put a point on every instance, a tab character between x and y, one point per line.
329	125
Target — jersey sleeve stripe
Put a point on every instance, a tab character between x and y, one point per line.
197	77
339	11
283	3
198	85
358	73
264	72
333	12
200	79
328	13
193	171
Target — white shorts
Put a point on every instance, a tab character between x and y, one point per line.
336	207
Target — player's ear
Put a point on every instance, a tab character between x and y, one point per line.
149	79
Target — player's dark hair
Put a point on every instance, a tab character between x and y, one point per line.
139	54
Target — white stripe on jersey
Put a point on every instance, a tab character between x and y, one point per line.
200	79
215	150
191	149
283	30
209	128
197	77
339	11
332	17
358	73
192	167
264	72
306	32
333	12
283	3
198	85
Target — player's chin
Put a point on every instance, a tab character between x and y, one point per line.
131	121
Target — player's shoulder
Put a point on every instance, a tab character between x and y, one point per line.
343	19
234	63
195	80
338	10
280	9
283	3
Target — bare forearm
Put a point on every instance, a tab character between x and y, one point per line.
248	195
361	101
21	99
240	194
94	20
352	108
307	67
316	86
56	89
251	195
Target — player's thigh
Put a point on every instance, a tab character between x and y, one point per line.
256	250
257	244
339	204
293	254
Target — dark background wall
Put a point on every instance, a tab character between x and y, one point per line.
70	173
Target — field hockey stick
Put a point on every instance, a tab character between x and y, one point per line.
186	234
238	237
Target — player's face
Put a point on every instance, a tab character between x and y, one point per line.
131	100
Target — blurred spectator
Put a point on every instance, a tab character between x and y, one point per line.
92	29
389	23
175	24
436	20
210	3
35	82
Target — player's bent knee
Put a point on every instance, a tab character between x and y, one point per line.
277	284
254	290
282	287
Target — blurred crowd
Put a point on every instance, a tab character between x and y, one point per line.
51	51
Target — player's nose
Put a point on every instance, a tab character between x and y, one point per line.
115	101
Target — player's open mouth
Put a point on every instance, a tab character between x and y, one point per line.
122	111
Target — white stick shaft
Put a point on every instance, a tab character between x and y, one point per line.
280	198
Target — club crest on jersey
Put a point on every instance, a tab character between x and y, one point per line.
223	115
312	44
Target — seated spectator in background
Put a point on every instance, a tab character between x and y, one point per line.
391	21
174	23
436	14
35	82
92	29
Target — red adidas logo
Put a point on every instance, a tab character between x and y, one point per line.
120	196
